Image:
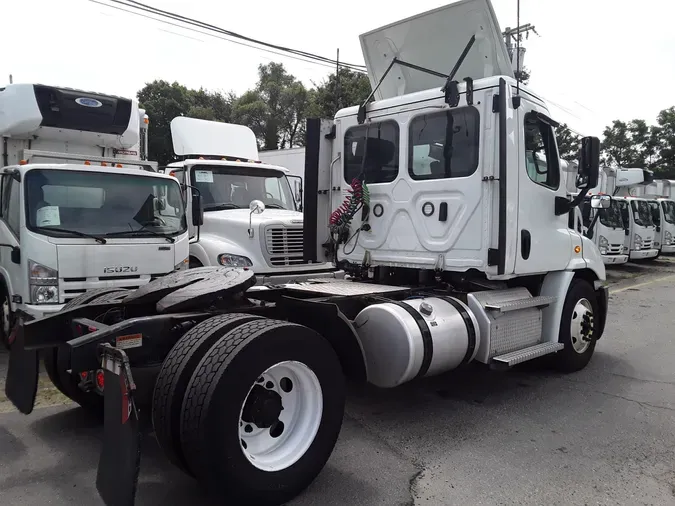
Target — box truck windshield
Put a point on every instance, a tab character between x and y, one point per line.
669	211
642	214
62	203
225	187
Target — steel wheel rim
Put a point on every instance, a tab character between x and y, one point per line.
582	316
279	445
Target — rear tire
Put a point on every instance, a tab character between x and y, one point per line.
256	376
174	377
579	327
66	383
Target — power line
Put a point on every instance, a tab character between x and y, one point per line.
209	34
292	53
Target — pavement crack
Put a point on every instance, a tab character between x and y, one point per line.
643	404
412	487
642	379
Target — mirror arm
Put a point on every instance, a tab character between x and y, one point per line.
564	205
589	231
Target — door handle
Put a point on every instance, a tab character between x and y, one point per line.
443	212
525	244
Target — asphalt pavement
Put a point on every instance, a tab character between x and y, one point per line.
604	436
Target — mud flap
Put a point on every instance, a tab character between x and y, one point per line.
118	466
22	373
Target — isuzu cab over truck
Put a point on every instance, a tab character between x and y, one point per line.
459	252
659	195
77	210
635	212
250	212
608	231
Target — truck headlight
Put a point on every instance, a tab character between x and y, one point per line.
603	245
43	284
181	266
668	238
637	242
234	260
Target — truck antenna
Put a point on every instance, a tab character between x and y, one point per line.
11	80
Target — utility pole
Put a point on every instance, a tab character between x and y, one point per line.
513	38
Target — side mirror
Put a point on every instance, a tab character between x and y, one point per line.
256	206
600	201
16	255
589	163
197	210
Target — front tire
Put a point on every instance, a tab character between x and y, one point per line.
6	317
579	327
262	412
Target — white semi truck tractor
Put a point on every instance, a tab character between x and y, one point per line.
458	251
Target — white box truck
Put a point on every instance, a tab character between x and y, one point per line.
77	209
660	197
458	253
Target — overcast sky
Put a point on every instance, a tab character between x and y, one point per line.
594	61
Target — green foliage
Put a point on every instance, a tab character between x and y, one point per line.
352	88
568	143
163	102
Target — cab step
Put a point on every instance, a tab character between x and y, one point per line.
541	301
518	357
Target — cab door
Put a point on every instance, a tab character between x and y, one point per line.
544	242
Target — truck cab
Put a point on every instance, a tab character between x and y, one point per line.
80	207
659	193
251	215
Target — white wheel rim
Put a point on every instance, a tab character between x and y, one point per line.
279	445
581	326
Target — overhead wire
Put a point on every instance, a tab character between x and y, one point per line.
213	35
259	44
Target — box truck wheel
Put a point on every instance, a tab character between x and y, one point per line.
262	412
578	327
6	316
175	374
67	383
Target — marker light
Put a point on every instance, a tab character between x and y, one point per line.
87	162
104	164
119	165
23	162
577	249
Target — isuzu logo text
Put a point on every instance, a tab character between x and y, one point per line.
115	270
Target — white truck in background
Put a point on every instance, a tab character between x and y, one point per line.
81	207
292	159
635	212
605	227
251	216
660	197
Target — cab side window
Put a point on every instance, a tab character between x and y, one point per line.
541	153
11	212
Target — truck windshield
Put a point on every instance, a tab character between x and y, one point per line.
642	214
656	212
74	203
232	187
610	217
668	207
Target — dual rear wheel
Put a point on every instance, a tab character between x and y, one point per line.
251	407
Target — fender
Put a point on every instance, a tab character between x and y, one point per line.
6	281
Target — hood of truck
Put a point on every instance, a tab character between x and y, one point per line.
115	259
435	40
241	216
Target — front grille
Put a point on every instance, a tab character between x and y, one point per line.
647	244
284	245
615	249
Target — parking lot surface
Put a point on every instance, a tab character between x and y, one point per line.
605	435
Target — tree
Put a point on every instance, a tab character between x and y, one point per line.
275	109
352	88
568	142
665	142
163	102
617	146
